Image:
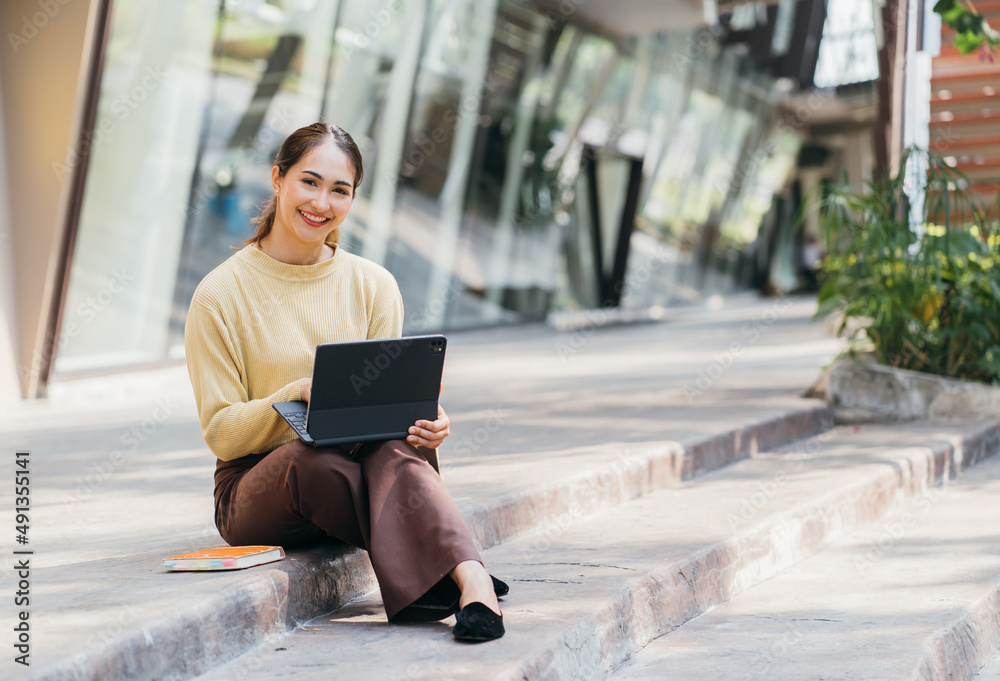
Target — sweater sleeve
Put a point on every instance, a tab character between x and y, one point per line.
386	317
232	424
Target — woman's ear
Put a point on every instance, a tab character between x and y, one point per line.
275	179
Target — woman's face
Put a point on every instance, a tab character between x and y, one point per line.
314	196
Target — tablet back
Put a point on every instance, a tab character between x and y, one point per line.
374	390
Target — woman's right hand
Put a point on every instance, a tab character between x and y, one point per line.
305	388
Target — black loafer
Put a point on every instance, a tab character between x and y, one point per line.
476	622
499	588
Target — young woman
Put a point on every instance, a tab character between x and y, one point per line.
252	330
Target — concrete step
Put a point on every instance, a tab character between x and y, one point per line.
180	625
914	595
990	672
587	592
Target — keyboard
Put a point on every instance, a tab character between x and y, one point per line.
298	422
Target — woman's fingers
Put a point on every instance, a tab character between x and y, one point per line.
430	433
426	437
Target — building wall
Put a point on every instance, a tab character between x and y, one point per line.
41	67
9	387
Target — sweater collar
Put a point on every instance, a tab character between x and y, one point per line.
261	261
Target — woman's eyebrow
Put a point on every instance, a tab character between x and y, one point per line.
320	178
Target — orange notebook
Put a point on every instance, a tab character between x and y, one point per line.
228	558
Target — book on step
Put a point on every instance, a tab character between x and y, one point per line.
228	558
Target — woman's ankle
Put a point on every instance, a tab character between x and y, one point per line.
475	584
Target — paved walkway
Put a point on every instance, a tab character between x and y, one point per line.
121	478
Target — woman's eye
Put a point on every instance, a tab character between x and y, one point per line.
310	183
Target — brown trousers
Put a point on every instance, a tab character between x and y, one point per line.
388	500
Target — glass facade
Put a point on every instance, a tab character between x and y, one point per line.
503	151
849	50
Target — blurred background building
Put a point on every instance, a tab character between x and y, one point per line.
521	156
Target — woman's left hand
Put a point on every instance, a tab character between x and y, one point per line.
430	433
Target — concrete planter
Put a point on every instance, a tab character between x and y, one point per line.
865	392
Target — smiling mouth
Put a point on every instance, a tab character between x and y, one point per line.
313	219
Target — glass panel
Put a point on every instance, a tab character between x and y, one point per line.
508	229
378	50
270	70
848	52
440	142
699	204
473	233
784	25
124	264
580	113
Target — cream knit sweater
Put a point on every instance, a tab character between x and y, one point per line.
252	331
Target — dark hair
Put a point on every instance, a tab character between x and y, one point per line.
295	146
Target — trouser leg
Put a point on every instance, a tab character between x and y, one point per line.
392	503
294	496
418	535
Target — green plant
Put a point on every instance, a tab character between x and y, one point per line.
972	32
921	296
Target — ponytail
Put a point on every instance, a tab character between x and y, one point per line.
264	220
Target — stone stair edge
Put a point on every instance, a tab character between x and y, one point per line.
315	581
639	473
663	599
963	639
190	641
940	660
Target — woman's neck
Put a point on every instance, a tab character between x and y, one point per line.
289	254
